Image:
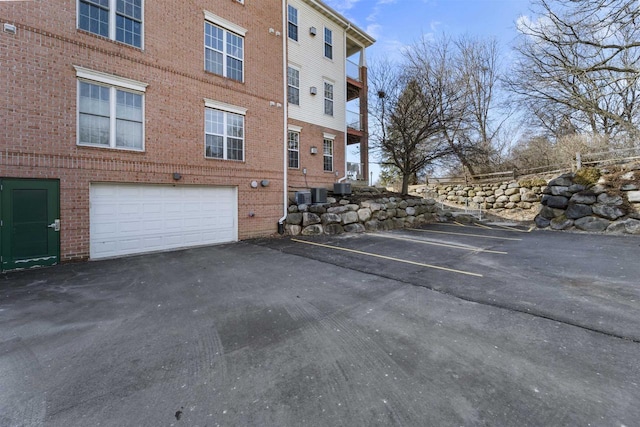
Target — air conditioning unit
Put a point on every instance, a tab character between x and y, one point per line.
342	188
318	195
303	197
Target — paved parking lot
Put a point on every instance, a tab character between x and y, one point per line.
445	325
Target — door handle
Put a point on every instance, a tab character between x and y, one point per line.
55	225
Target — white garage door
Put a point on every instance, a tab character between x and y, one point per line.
128	218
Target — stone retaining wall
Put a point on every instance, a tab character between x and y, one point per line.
611	206
358	213
525	194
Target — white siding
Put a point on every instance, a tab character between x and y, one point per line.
307	54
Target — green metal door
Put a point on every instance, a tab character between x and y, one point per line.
30	223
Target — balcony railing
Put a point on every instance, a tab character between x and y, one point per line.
353	70
354	120
354	171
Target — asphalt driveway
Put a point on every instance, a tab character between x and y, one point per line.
442	326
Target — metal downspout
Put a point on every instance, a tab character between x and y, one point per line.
285	114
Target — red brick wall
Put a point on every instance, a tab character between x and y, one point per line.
38	111
313	135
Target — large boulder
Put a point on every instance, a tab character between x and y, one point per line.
349	217
584	198
364	214
633	196
330	218
558	202
578	210
609	199
294	218
542	222
591	223
564	180
293	230
354	228
333	229
561	223
313	230
607	211
309	218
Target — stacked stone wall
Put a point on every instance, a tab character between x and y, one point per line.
611	206
525	194
358	213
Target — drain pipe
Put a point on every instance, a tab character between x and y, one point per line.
285	113
346	146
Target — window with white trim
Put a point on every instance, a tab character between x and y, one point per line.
119	20
292	17
293	86
224	131
294	149
110	111
327	155
328	98
328	43
223	48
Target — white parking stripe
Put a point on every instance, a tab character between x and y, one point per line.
468	273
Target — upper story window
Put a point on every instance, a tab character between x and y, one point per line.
293	22
328	43
224	47
224	131
293	86
119	20
110	110
294	149
328	98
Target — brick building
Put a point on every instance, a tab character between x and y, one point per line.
132	126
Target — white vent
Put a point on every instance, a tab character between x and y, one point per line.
313	90
9	28
313	31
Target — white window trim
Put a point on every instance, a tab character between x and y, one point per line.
110	79
324	98
227	25
297	132
233	109
299	83
324	156
297	23
114	83
329	136
112	23
324	43
218	105
294	128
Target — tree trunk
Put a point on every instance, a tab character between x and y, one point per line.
405	183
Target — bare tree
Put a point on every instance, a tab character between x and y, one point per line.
580	61
463	75
407	123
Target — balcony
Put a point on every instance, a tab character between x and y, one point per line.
355	171
354	120
353	70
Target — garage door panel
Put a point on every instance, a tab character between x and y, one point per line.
128	219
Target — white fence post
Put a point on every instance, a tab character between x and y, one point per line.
578	161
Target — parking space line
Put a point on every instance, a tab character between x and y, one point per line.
456	223
463	234
451	270
482	226
446	245
506	227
